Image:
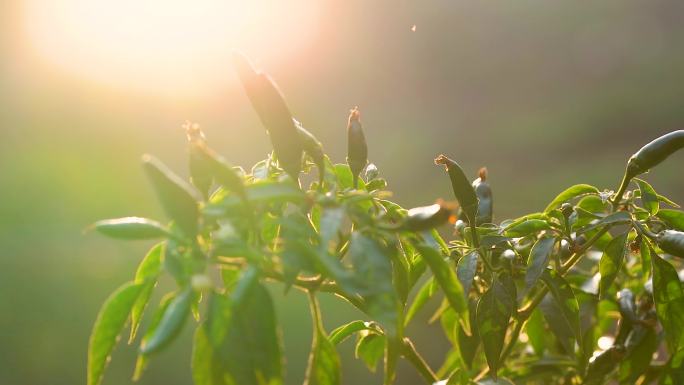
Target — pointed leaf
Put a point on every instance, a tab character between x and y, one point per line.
448	281
570	193
669	299
345	331
558	323
565	298
177	198
611	262
493	315
673	218
649	197
110	321
147	273
539	259
525	228
370	348
424	294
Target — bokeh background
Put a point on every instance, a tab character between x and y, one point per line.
545	94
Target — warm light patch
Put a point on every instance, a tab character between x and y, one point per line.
173	46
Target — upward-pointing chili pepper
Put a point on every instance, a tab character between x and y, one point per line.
655	152
357	150
483	191
274	114
463	190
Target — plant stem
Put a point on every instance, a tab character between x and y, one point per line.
411	354
621	190
526	311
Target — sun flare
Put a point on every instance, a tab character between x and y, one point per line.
175	46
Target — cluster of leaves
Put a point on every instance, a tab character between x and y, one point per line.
584	292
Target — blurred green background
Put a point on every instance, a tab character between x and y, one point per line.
545	94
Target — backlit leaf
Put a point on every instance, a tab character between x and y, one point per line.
570	193
611	262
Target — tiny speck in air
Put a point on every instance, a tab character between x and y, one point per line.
413	28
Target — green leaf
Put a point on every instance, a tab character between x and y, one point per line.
611	219
170	324
264	191
110	321
466	269
147	274
207	368
534	327
538	260
673	218
565	298
669	299
649	197
448	281
177	198
370	348
570	193
558	323
345	178
373	268
611	262
131	228
525	228
641	344
493	314
345	331
646	264
243	332
324	362
330	224
424	294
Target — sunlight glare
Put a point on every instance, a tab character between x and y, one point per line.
171	46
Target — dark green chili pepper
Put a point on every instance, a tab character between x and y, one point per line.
483	191
131	228
170	324
178	199
463	190
313	148
672	242
270	105
655	152
357	150
428	217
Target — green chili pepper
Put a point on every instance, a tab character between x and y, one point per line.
655	152
463	190
131	228
269	104
357	150
428	217
313	148
170	324
178	199
627	305
672	242
483	191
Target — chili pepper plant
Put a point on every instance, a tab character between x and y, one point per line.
586	291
